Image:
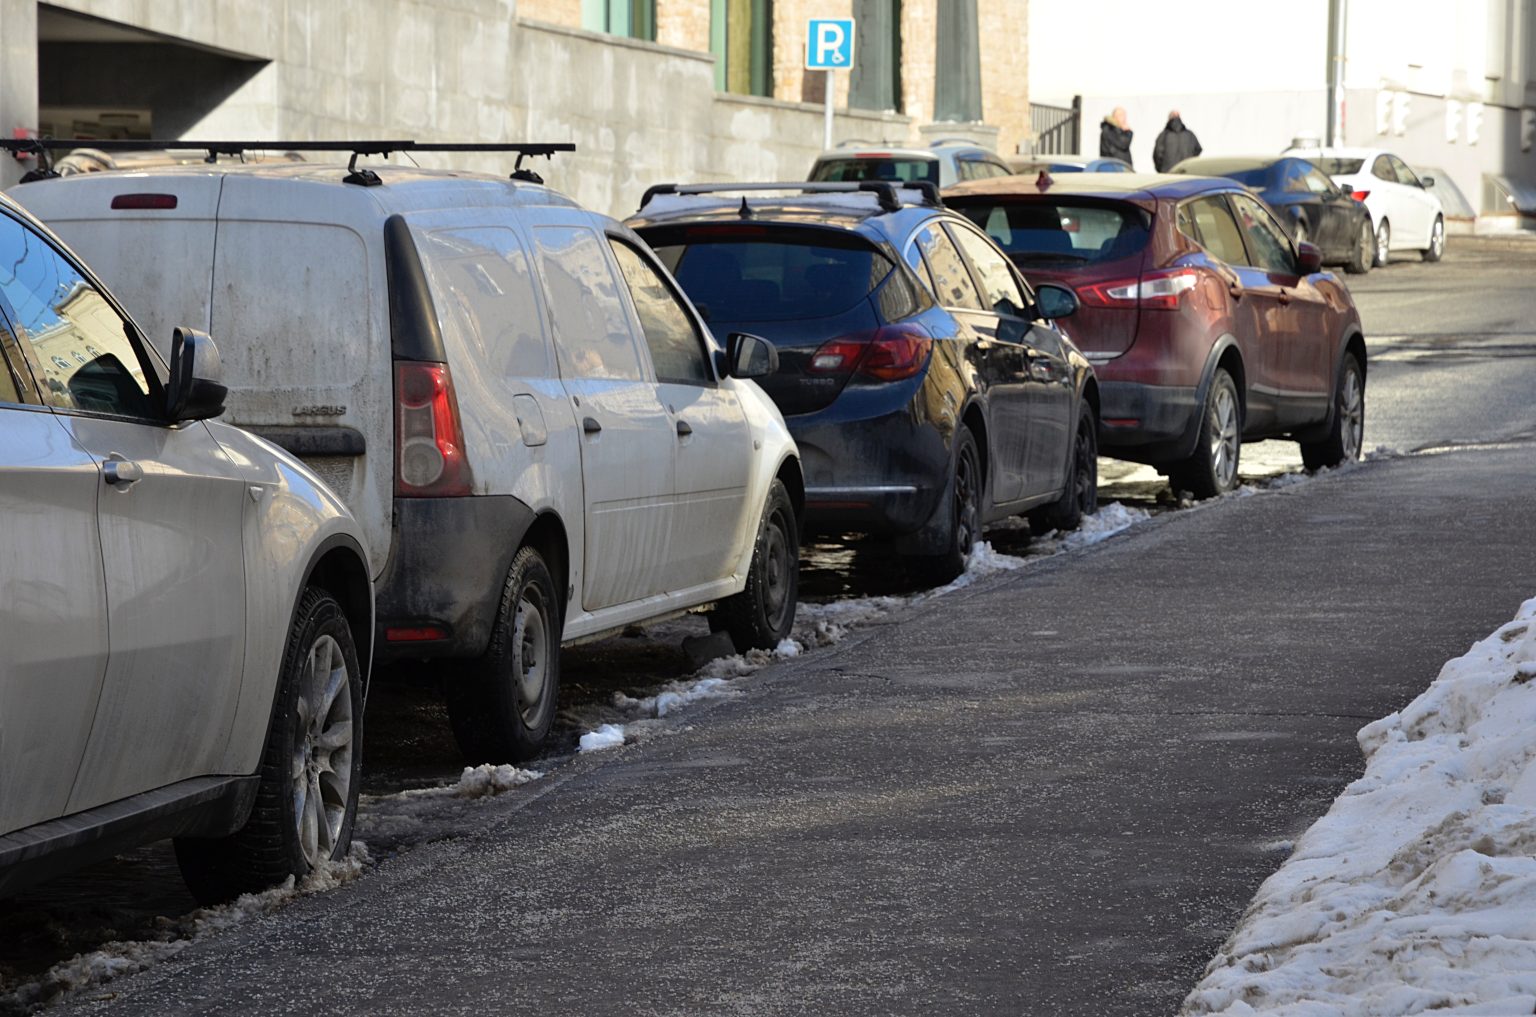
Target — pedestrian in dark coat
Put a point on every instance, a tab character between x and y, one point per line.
1115	137
1175	144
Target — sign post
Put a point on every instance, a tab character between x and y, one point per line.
829	47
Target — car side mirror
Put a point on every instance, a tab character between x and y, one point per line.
750	356
1308	258
194	391
1052	301
1426	182
1348	190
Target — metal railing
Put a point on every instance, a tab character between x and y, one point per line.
1057	129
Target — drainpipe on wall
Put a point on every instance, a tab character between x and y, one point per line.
1338	17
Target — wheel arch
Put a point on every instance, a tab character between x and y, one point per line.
792	476
973	418
338	566
547	535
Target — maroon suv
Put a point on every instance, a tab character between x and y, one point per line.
1206	325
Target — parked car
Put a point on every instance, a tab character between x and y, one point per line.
1311	207
923	380
186	617
542	440
1207	325
947	162
1032	164
1408	215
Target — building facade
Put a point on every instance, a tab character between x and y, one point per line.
1446	84
649	90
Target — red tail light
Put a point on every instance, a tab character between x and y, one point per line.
890	353
1360	195
429	440
1160	290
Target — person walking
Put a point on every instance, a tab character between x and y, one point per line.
1175	144
1115	137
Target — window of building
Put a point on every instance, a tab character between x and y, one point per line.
633	18
875	81
741	38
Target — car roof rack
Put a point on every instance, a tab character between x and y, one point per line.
42	147
884	190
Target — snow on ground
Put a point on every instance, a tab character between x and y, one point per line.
1416	893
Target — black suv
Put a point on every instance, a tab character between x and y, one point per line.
922	378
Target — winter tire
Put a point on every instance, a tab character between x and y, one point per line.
1436	248
763	613
1080	496
1363	256
1383	243
964	492
1212	468
502	711
1347	432
306	800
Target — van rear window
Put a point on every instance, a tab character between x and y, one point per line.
1063	232
771	278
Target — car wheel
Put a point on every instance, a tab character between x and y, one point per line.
306	799
1436	246
1212	468
1383	242
1080	497
763	613
965	514
1363	256
503	709
1347	433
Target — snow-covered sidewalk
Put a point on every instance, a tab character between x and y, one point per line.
1416	893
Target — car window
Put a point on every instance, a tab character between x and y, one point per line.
877	167
1294	177
482	283
79	343
677	349
1404	174
1215	229
978	169
1382	169
591	328
951	281
10	388
1339	166
1318	182
1064	231
1267	245
1000	291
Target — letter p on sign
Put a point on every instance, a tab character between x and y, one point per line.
829	45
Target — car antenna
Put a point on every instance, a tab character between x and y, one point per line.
745	211
1044	180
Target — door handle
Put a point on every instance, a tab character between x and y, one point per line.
120	472
590	425
1285	298
1236	290
683	429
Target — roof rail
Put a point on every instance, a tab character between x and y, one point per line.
43	146
885	191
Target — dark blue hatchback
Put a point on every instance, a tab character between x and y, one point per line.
923	380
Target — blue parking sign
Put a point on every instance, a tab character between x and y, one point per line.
829	44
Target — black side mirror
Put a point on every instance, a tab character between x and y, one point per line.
1308	259
1052	301
1348	190
1426	182
750	356
194	391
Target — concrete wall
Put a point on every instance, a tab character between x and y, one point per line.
467	70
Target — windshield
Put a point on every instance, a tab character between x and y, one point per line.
1066	232
1337	167
876	167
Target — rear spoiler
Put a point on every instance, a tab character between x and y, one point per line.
42	149
885	191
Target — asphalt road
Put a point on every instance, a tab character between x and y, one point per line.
1054	794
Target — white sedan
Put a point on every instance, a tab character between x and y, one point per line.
1406	214
186	614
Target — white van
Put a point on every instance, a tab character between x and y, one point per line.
540	437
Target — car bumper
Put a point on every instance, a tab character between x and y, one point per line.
441	590
1133	414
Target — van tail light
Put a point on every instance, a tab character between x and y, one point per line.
1360	195
1160	290
429	440
889	353
143	201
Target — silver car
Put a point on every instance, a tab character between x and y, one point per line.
185	610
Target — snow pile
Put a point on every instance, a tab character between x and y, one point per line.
1417	892
489	779
92	970
609	736
1105	523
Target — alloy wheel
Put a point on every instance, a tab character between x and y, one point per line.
1352	415
1222	432
967	496
1383	242
1437	239
322	752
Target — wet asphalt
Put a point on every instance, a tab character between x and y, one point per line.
1054	793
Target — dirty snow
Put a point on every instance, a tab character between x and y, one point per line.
1416	893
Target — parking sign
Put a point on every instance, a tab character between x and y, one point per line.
829	44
